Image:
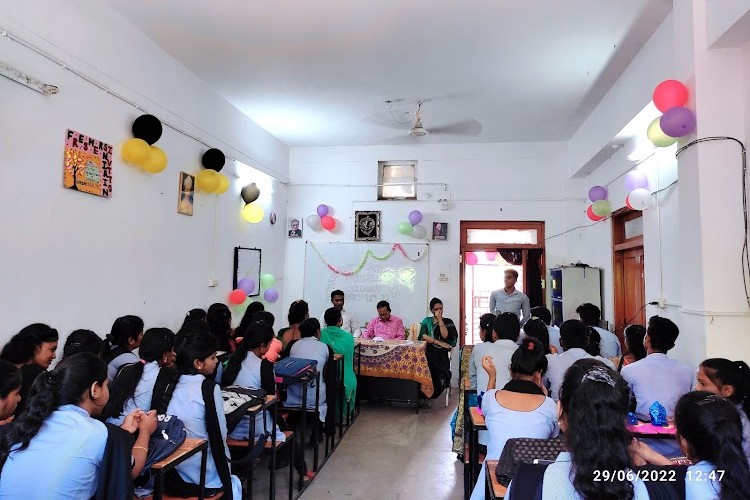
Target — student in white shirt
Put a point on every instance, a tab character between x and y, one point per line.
656	377
554	332
609	344
574	339
348	319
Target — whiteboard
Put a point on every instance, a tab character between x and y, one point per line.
401	280
247	265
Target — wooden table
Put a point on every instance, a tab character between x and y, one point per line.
476	424
493	489
190	447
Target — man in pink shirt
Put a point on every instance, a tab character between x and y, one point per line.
386	325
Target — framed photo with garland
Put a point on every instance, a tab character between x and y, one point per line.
366	226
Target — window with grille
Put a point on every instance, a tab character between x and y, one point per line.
397	180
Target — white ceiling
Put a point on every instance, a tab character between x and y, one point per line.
318	73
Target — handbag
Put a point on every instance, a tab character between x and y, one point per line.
525	450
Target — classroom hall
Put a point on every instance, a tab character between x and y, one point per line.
398	151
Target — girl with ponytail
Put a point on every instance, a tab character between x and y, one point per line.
57	432
219	319
710	434
133	387
125	337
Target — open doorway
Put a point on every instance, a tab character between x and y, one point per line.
627	260
488	249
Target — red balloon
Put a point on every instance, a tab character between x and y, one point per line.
471	259
237	296
669	94
591	215
328	222
627	203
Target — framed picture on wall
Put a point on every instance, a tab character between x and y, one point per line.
295	227
439	230
186	190
366	226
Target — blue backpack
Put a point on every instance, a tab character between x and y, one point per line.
290	371
169	435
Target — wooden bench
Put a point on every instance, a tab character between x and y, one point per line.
190	447
493	489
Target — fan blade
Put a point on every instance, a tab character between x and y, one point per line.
396	140
402	120
466	127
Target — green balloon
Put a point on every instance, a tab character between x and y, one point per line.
267	280
602	208
657	137
405	227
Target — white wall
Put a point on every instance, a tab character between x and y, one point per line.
78	261
484	182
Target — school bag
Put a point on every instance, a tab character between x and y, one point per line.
237	400
169	435
290	371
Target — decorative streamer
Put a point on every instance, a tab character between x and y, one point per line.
368	254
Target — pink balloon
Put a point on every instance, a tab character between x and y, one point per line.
237	296
471	259
328	223
490	255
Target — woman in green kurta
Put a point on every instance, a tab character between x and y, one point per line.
441	335
342	343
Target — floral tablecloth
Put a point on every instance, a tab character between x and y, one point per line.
403	359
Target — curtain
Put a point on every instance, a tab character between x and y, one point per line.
533	277
511	256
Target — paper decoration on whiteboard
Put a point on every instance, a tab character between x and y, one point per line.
87	166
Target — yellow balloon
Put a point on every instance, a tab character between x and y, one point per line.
253	213
223	184
208	180
135	151
657	137
156	161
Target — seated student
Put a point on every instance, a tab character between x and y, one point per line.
10	392
125	337
32	350
592	410
310	347
634	335
255	306
594	344
591	315
385	326
248	368
349	321
536	328
656	377
82	341
574	338
441	336
341	342
274	350
486	326
519	409
198	403
219	319
133	388
554	332
299	311
57	450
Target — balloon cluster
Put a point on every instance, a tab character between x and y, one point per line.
252	212
412	227
670	97
210	180
246	286
323	219
639	198
600	207
140	151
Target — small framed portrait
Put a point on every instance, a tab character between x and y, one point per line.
366	226
439	230
295	227
186	190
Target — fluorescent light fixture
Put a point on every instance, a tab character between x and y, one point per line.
26	80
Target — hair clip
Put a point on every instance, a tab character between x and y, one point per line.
711	398
598	374
530	347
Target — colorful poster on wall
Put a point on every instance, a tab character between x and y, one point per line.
88	165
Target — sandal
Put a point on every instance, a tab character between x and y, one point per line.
306	479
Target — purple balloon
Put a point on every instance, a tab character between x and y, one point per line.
323	210
247	285
636	179
677	122
597	193
415	217
271	295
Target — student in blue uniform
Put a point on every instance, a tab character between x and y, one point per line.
197	401
57	450
125	337
133	387
82	341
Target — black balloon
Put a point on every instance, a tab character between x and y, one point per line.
213	159
148	128
250	193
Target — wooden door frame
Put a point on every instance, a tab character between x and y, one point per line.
619	246
464	247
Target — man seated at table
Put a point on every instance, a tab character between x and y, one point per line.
385	326
656	377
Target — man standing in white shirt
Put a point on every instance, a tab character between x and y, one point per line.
574	336
509	299
349	321
591	315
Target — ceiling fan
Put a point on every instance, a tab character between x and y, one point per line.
466	127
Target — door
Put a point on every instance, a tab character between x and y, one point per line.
627	259
634	291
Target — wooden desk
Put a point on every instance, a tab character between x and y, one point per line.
476	424
190	447
493	489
